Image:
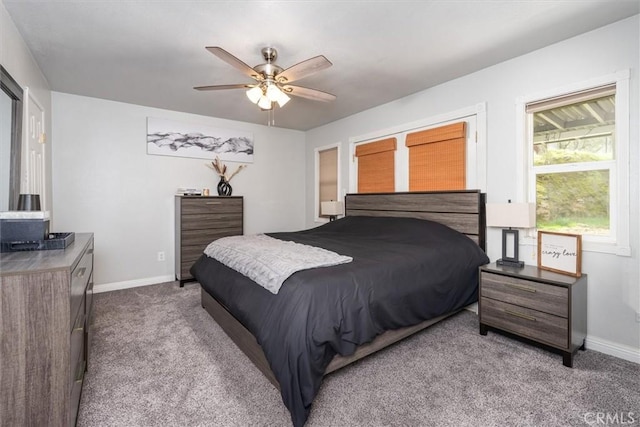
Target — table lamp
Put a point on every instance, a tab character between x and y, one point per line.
331	209
513	216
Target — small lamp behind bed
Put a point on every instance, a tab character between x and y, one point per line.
512	215
332	209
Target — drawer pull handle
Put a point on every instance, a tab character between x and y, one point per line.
523	316
78	326
522	288
212	203
81	272
80	372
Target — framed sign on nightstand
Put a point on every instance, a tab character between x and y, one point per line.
560	252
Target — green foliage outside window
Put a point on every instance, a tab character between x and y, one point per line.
573	201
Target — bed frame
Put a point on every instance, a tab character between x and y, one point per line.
462	210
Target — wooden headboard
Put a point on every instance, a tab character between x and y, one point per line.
462	210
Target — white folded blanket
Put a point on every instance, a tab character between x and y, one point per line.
269	261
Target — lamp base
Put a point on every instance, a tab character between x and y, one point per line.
507	263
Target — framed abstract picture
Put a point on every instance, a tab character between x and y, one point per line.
175	138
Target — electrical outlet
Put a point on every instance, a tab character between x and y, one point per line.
161	256
638	316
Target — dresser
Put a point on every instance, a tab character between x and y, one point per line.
199	221
45	322
542	306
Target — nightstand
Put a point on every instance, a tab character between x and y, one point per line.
542	306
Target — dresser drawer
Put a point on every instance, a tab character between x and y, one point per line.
211	220
538	326
525	293
201	238
77	343
210	205
77	372
79	280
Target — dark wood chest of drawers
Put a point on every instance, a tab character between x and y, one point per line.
45	326
542	306
199	221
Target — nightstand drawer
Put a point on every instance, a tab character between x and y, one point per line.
525	293
541	327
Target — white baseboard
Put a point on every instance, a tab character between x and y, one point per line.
472	308
108	287
613	349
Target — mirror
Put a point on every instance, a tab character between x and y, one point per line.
10	140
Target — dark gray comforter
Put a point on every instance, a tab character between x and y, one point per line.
404	271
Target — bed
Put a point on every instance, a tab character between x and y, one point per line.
322	319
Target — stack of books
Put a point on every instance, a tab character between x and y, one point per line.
188	192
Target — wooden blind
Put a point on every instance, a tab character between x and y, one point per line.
437	158
376	170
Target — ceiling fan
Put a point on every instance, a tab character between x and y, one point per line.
273	83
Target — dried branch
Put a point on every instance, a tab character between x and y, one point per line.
221	169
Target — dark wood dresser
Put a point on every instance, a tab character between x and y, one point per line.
199	221
542	306
45	318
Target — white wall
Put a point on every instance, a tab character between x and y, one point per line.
16	58
614	290
105	183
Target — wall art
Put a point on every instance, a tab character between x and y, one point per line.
560	252
181	139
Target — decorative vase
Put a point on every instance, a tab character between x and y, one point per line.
224	188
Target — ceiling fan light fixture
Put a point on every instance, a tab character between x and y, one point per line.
265	103
276	95
254	94
272	81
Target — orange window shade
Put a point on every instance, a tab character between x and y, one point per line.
437	158
376	169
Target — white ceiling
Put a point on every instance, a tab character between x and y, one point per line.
152	52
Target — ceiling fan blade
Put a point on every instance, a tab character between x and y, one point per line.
219	87
305	92
303	69
233	61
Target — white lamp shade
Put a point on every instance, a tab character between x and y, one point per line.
254	94
331	208
276	95
515	215
264	103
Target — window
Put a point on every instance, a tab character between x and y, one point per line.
327	177
577	143
469	121
437	158
376	166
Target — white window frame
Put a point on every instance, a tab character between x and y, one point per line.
619	172
316	196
